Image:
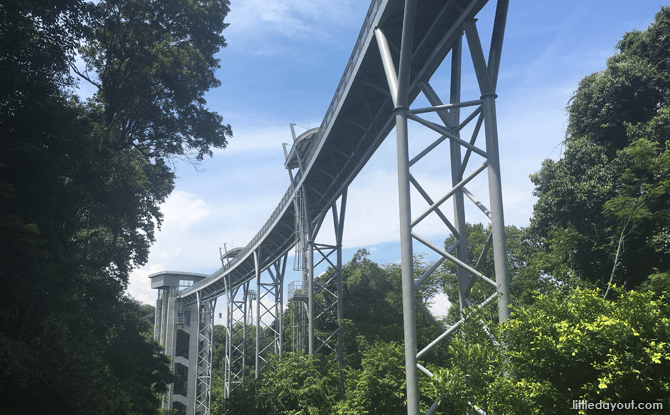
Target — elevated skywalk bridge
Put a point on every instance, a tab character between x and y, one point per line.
400	47
358	119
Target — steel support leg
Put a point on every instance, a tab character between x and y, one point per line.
327	302
456	177
400	93
257	266
407	259
236	335
270	315
339	233
203	387
310	295
497	218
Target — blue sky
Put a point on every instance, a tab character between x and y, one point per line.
282	65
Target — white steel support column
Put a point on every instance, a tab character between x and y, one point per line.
497	218
498	223
227	371
339	233
257	268
203	387
399	87
456	177
309	239
487	75
310	295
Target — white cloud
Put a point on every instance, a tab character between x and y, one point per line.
439	305
252	137
269	27
140	285
184	209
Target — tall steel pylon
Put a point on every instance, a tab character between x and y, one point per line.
324	298
484	112
236	334
269	313
326	301
203	385
298	311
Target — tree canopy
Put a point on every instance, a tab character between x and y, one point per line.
607	197
81	182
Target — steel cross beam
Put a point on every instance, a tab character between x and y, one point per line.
203	385
449	114
269	335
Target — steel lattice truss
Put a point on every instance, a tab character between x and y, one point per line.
298	311
236	334
203	383
270	315
482	112
327	305
325	301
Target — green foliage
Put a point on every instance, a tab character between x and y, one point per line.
373	352
567	224
570	344
66	368
373	311
379	387
576	345
293	385
659	285
475	376
153	62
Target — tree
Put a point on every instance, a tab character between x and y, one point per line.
476	377
295	384
373	310
153	63
66	368
81	184
606	198
379	386
577	345
372	296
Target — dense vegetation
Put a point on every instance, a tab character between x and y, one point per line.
590	279
81	182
